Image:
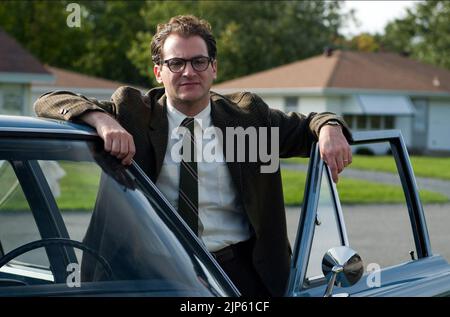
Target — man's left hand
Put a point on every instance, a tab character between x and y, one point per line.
334	149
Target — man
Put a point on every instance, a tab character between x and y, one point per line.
237	211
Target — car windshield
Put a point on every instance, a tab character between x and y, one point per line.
127	239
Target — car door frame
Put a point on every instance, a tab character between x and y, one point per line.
305	233
45	213
54	224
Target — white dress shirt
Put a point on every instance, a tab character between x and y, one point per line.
222	221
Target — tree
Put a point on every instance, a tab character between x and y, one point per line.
40	27
424	33
251	36
363	42
98	47
114	38
111	27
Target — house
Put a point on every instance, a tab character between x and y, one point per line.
370	90
23	79
18	69
88	86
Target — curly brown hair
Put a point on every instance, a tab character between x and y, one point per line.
186	26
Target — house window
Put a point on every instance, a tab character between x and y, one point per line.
421	115
290	104
364	122
11	100
349	120
361	122
389	122
375	122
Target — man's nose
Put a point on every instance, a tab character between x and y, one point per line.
189	70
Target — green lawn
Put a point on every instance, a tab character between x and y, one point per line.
82	179
81	182
353	191
432	167
78	188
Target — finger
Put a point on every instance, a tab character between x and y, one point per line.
107	143
334	174
346	160
123	151
131	151
338	158
115	147
333	168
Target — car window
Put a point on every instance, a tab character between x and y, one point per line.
17	223
326	229
379	226
75	186
374	213
108	227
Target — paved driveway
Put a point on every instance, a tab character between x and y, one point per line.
435	185
382	233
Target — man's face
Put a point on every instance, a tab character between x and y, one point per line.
188	87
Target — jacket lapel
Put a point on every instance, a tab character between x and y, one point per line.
158	133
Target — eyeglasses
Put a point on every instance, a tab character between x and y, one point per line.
199	64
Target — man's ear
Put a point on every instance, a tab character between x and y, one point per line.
214	68
157	72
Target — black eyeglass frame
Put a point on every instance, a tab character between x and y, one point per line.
167	61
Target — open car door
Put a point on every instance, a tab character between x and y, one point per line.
391	239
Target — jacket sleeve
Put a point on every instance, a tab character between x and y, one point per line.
66	105
297	131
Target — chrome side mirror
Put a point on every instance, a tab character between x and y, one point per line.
341	266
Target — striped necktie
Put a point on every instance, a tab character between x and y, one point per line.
188	188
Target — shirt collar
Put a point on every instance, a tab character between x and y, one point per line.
203	118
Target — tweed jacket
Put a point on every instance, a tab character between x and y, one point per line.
260	194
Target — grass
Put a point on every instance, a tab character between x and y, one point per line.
423	166
81	182
432	167
296	160
353	191
78	188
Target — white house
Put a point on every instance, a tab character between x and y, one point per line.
89	86
23	79
18	69
370	90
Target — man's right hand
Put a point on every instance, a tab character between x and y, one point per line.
117	140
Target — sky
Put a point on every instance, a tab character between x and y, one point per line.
374	15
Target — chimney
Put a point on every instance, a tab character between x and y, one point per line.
405	53
436	82
328	51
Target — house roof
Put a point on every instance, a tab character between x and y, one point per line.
351	70
66	78
15	59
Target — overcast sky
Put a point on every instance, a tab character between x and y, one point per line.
374	15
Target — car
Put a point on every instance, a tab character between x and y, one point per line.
75	222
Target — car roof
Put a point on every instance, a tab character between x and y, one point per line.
42	126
